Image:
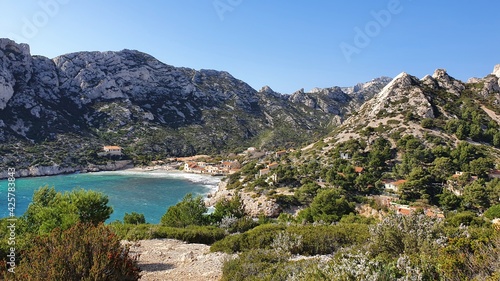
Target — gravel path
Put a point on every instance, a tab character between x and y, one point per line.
168	259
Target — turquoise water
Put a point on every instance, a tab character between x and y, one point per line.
149	193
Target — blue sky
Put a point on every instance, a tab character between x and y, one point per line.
285	44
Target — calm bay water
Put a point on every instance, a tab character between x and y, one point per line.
149	193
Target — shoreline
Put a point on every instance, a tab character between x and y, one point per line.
173	169
42	171
119	165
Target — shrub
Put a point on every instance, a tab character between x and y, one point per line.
50	209
466	218
82	252
134	218
315	240
329	205
254	265
397	235
231	207
190	211
493	212
192	234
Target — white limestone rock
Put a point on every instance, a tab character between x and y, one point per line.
496	70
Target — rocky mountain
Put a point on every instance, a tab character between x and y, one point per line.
73	104
340	101
437	107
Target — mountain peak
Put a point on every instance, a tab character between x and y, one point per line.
496	70
266	89
440	73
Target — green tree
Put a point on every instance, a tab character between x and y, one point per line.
190	211
232	207
50	209
462	132
91	206
481	166
443	168
306	193
475	132
493	212
328	206
496	139
134	218
449	201
476	196
493	188
427	123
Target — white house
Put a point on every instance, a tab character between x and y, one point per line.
393	185
112	150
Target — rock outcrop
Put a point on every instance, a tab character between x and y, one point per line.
254	205
496	70
39	171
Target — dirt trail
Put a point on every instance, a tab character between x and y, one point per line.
168	259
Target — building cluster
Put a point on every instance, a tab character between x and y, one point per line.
223	168
406	210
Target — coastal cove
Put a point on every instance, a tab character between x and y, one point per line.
149	192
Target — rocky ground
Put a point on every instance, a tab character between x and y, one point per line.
168	259
254	204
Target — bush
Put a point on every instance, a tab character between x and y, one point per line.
133	232
231	207
493	212
134	218
466	218
190	211
315	240
328	206
192	234
50	209
82	252
254	265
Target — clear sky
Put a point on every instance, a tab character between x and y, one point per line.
286	44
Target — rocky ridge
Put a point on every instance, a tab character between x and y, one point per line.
131	99
402	104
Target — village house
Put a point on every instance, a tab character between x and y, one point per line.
280	153
230	164
454	185
272	166
112	150
189	166
263	172
393	185
358	169
224	168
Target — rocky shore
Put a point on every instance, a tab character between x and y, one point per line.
40	171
